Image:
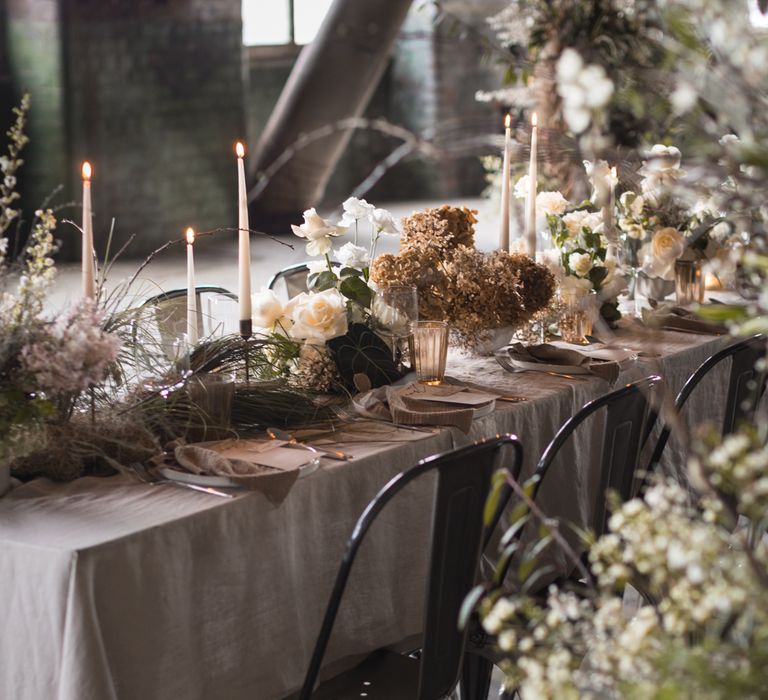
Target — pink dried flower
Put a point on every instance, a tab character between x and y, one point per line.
73	355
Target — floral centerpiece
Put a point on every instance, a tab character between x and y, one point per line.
437	256
330	329
586	260
47	366
659	228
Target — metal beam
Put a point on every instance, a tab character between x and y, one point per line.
333	79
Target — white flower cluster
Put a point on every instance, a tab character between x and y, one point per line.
696	572
73	355
584	88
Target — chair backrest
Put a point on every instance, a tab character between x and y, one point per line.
169	312
294	279
463	483
746	384
626	428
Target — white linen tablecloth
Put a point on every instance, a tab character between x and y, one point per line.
116	589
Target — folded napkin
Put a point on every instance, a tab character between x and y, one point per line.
254	464
677	318
553	355
409	405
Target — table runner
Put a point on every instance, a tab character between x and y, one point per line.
114	589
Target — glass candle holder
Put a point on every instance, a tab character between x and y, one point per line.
430	349
579	311
689	282
210	397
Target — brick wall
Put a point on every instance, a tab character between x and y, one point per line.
149	91
154	93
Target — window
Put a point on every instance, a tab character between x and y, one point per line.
278	22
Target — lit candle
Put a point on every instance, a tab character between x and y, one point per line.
191	291
504	230
530	209
244	245
609	230
89	285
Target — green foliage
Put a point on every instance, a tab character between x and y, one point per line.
356	290
361	351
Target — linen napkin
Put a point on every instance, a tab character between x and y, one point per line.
254	464
407	405
553	355
677	318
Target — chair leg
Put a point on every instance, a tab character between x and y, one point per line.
475	681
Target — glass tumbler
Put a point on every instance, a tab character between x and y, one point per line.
579	311
430	348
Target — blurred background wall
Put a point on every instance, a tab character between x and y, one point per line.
155	93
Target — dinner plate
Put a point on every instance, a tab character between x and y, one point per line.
216	481
542	366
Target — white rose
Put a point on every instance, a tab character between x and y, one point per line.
574	221
632	203
667	244
661	168
384	223
521	187
266	309
575	285
550	203
580	263
574	96
351	255
354	210
317	317
659	255
593	221
318	232
315	267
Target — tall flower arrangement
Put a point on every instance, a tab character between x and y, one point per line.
45	365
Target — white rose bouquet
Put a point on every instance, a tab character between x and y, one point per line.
329	329
584	256
657	227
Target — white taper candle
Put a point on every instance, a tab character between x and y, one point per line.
192	336
533	172
504	227
89	284
244	238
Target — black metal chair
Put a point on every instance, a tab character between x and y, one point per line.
458	535
294	278
746	384
629	419
627	425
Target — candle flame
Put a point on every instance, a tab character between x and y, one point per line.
190	235
240	149
507	121
87	170
534	119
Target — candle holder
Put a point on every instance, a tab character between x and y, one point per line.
246	330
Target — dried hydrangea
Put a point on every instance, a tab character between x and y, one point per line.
437	256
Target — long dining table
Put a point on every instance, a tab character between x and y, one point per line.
112	588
